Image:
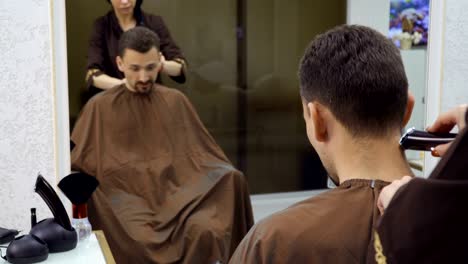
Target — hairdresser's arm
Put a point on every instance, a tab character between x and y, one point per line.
104	81
171	67
97	50
174	64
445	122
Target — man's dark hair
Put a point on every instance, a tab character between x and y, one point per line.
358	74
140	39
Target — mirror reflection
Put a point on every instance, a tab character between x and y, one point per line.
241	78
242	81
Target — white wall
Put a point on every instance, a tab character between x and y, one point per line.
27	144
372	13
455	69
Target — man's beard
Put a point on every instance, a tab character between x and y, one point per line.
143	87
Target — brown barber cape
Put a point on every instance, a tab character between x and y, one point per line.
167	192
332	227
427	219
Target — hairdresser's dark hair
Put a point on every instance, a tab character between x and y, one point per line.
140	39
137	10
358	74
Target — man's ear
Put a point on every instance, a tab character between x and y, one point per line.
409	109
317	116
119	62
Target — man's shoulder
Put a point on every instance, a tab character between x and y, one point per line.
168	92
112	91
166	89
314	215
333	226
302	215
301	233
104	96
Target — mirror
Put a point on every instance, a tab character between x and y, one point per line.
242	75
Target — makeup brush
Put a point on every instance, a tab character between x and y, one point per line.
78	187
72	145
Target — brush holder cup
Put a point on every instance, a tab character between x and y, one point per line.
80	221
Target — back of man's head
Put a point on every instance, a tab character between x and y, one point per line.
358	74
140	39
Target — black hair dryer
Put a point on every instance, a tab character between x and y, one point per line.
49	235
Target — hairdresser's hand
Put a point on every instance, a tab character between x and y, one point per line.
389	191
445	122
170	67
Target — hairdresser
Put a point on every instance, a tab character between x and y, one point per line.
424	220
102	71
445	122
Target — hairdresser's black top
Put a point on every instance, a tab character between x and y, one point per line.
425	221
104	44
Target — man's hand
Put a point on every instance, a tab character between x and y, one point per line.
445	122
389	191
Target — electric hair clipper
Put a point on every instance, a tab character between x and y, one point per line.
422	140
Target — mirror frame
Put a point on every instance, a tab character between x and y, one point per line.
60	84
435	60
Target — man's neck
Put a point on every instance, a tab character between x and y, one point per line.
374	159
